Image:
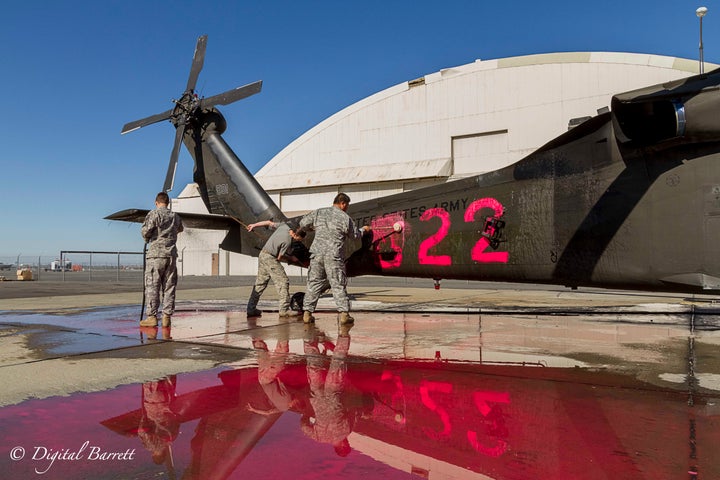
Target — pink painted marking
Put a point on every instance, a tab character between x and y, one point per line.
385	234
423	256
478	252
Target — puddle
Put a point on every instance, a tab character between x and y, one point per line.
399	395
94	330
328	414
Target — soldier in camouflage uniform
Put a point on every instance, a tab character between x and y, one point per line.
327	256
160	230
277	248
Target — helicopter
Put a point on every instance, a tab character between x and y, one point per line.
628	199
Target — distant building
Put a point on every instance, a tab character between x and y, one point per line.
457	122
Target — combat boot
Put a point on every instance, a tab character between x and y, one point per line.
150	321
344	330
345	318
287	313
165	320
254	313
308	317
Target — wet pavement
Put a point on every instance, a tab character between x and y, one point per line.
478	382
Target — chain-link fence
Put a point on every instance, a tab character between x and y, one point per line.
75	265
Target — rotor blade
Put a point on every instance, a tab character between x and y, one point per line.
233	95
170	177
129	127
197	64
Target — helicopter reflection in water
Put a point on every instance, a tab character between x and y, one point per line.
433	419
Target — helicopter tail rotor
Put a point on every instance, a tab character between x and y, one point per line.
189	108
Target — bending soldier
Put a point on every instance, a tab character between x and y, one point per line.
277	247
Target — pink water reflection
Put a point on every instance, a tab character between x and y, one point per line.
327	414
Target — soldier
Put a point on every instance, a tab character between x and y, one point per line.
327	256
160	230
277	248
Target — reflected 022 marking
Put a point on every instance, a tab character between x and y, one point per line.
478	252
443	391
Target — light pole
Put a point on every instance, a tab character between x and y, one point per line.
700	12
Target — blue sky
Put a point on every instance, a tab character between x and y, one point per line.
74	72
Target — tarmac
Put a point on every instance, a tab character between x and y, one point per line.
69	339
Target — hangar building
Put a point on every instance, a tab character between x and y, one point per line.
457	122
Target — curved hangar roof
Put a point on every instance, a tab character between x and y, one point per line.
463	120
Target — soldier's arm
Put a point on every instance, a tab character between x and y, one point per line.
263	223
149	226
290	258
308	220
354	232
286	255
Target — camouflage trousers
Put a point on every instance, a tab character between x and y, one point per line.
270	268
324	271
160	277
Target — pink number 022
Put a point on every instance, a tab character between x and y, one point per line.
478	252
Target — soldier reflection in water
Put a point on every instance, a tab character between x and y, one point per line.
159	425
331	421
328	405
270	365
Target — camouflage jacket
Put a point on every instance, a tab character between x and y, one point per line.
332	227
160	230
